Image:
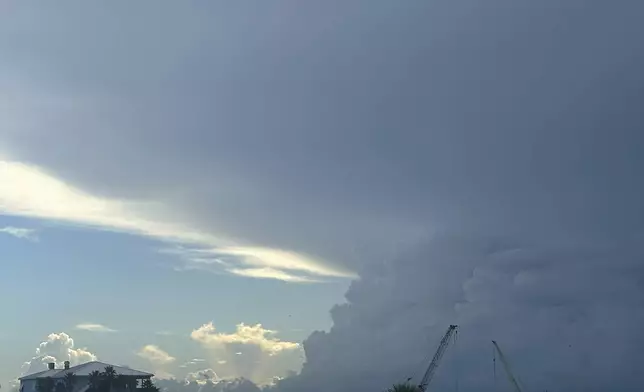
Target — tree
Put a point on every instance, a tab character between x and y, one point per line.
94	381
70	381
404	387
108	376
148	386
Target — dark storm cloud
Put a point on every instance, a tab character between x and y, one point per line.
567	319
334	121
342	130
395	116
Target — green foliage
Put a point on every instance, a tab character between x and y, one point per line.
94	381
404	387
107	378
109	373
148	386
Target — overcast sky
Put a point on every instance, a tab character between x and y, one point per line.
192	186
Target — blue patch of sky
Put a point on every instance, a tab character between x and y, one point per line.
75	275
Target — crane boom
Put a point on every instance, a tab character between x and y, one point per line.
427	378
506	366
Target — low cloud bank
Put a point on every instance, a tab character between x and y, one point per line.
234	385
568	319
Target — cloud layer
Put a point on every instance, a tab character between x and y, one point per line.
332	152
28	191
92	327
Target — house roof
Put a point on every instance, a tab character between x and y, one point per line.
43	374
85	369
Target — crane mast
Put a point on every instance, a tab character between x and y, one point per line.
506	367
429	374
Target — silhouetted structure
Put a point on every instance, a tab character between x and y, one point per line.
88	377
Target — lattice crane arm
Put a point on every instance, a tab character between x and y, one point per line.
442	347
506	367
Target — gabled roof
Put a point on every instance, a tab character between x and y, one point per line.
85	369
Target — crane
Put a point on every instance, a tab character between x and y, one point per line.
506	366
429	374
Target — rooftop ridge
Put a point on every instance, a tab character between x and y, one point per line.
87	367
81	365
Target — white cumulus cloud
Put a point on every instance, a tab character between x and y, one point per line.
57	348
252	352
155	355
203	376
245	334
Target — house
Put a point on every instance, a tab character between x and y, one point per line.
133	378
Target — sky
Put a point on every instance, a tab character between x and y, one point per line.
311	192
